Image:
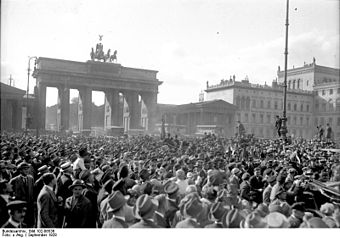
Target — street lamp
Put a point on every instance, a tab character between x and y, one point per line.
283	129
28	87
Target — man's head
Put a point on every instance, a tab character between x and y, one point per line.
23	168
49	179
17	210
77	187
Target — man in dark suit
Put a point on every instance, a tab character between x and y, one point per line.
117	203
256	184
90	193
77	207
23	189
64	181
47	203
245	187
17	210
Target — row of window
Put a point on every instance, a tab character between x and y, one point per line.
330	91
327	107
323	121
296	84
244	104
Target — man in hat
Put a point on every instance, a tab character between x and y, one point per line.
64	181
40	183
91	194
216	214
77	207
172	199
79	164
48	204
117	204
256	184
16	211
278	124
267	191
23	189
144	211
5	191
191	211
245	187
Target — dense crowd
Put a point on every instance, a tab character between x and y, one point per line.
148	182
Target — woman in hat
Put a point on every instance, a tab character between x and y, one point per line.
77	207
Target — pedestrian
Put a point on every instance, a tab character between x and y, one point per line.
117	204
16	211
144	210
278	124
23	190
48	203
329	132
77	207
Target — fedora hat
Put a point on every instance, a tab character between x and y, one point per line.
65	166
43	169
217	211
116	201
23	165
77	183
277	220
84	175
314	222
253	220
192	208
170	188
144	207
232	219
262	210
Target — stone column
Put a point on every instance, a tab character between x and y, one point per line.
112	97
17	112
150	100
42	105
64	99
86	99
134	111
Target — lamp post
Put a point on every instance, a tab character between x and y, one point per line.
283	129
28	87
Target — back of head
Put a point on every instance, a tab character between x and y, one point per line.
47	178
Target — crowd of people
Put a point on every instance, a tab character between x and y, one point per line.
147	182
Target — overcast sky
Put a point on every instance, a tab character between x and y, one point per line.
188	41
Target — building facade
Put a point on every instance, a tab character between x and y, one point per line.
216	116
312	99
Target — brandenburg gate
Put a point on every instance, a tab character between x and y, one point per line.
111	78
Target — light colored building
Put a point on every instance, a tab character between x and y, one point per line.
313	98
325	83
259	104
